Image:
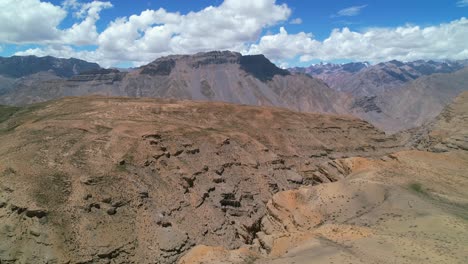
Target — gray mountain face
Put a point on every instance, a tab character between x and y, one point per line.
20	66
418	101
19	71
213	76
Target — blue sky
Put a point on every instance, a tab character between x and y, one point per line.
289	32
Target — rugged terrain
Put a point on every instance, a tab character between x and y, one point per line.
446	132
413	104
18	72
21	66
362	79
395	95
119	180
407	207
212	76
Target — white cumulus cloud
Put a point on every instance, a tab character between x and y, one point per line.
444	41
37	22
284	46
29	21
84	32
154	33
232	25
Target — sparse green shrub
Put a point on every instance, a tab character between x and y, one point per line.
417	187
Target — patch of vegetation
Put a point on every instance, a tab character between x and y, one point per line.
417	187
457	209
79	158
21	115
6	112
32	108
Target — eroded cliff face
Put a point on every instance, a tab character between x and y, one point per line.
99	180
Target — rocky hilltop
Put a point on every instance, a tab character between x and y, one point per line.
120	180
213	76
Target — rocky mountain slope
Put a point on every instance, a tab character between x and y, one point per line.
20	66
213	76
362	79
407	207
394	95
413	104
337	76
120	180
447	131
18	71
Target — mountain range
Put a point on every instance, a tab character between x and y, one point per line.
214	76
392	95
362	79
223	158
14	70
